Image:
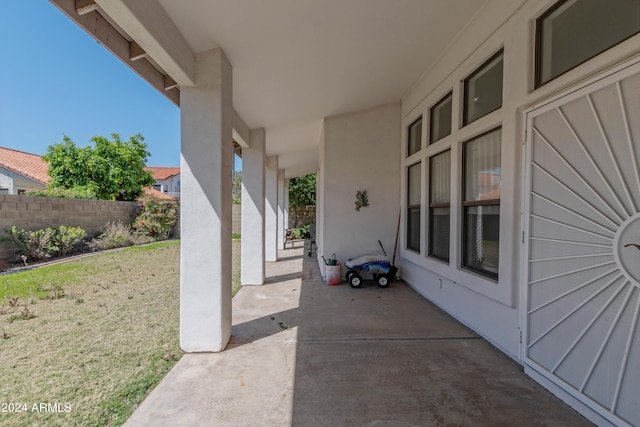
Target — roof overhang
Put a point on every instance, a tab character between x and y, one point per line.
294	61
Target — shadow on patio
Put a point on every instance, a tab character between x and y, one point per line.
307	354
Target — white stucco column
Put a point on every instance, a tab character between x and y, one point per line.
281	200
271	210
253	210
206	115
286	204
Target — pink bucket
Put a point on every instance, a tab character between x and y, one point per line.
332	273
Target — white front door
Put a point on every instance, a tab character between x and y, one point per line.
582	273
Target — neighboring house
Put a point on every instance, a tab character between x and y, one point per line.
152	192
504	133
20	171
167	180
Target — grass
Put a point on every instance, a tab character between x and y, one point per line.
235	266
98	334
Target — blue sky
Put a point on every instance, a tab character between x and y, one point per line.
56	80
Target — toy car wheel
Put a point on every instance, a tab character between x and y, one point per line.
382	281
355	281
349	274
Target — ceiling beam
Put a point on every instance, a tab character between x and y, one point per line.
173	95
101	30
85	6
240	130
169	83
146	22
136	51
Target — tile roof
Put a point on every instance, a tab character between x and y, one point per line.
26	164
161	173
32	166
152	192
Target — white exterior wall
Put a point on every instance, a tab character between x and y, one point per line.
359	151
490	308
170	185
14	182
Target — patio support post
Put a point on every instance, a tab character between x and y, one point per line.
281	226
286	204
206	114
271	214
253	210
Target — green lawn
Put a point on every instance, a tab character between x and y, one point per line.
235	266
96	350
90	337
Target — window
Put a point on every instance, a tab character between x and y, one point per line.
413	207
440	120
481	204
22	192
439	205
574	31
414	141
483	90
4	191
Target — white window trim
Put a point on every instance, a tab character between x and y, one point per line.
502	290
427	215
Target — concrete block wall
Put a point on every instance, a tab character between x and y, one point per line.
301	215
236	219
33	213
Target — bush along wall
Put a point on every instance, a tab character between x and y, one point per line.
40	245
35	228
156	219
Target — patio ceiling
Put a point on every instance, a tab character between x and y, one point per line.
294	61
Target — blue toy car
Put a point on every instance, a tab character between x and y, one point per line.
378	265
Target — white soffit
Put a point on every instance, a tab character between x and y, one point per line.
297	61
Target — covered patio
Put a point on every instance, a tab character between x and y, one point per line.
306	354
490	140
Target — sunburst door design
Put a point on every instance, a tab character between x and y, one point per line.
583	252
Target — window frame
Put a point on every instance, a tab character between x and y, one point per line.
448	96
409	140
537	80
413	207
432	206
464	205
465	83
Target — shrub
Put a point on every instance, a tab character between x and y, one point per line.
47	242
301	232
67	193
69	237
156	218
39	244
114	235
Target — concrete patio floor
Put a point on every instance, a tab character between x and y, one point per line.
307	354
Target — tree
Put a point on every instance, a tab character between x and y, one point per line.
236	189
113	170
302	190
